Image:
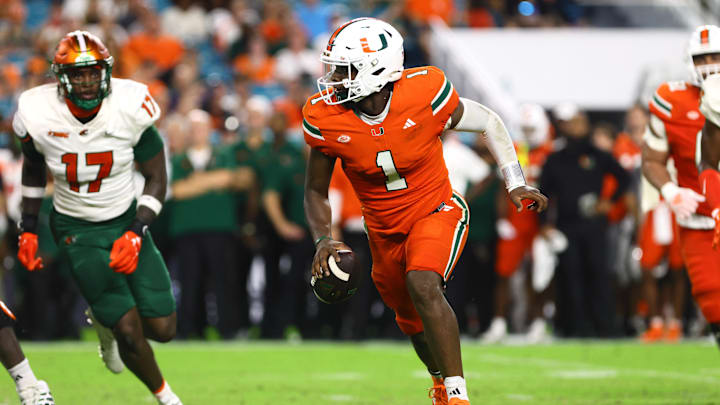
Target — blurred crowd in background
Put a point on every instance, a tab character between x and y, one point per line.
231	77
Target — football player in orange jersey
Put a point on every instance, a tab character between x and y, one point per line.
710	158
517	231
384	124
673	131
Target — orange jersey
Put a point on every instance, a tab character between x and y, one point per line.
396	167
675	124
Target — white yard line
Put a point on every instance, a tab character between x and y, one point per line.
569	367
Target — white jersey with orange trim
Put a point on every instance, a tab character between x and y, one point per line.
91	163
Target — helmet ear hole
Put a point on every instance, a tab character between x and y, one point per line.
377	72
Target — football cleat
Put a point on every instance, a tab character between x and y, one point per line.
108	348
537	333
673	333
458	401
437	392
38	394
654	333
496	333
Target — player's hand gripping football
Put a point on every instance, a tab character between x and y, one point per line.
538	200
27	251
125	253
324	249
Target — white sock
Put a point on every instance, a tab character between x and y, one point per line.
165	395
455	387
23	375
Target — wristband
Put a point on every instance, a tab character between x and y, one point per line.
318	240
28	223
139	227
150	202
33	192
513	175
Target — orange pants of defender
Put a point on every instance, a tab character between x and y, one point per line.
511	252
652	252
703	266
434	244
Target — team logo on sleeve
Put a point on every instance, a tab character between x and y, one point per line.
343	138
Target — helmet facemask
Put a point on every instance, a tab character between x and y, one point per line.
704	70
64	74
76	55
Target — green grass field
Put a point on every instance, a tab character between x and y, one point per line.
387	373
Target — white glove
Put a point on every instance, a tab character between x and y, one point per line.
505	229
683	201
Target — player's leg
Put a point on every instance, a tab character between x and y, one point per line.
652	255
702	262
160	329
677	289
154	318
510	253
432	250
438	319
29	388
388	273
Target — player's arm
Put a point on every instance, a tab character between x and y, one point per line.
655	154
150	157
34	179
152	165
317	210
474	117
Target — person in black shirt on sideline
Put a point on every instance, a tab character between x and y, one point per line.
573	179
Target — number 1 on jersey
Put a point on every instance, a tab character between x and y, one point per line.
393	181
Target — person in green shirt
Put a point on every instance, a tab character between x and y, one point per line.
202	224
282	200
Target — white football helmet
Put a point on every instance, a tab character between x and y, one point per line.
535	124
704	40
373	48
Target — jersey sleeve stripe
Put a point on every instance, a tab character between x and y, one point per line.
442	98
312	130
662	105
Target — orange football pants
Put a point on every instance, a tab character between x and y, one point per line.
511	252
703	266
434	243
652	252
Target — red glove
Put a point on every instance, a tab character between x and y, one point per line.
27	249
125	253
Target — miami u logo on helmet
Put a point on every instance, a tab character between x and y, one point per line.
366	48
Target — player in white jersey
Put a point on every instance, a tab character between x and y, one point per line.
89	130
